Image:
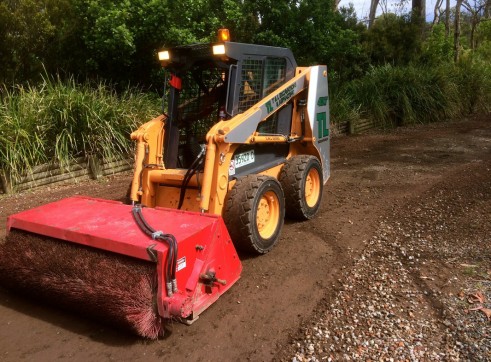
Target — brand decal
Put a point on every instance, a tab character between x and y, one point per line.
281	98
322	101
322	126
274	139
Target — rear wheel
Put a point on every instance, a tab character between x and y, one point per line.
254	213
301	179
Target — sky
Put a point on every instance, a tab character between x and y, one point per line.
362	7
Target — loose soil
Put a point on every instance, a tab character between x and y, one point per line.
377	181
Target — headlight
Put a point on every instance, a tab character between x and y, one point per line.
219	49
164	55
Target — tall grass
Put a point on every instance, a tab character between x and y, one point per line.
61	120
394	96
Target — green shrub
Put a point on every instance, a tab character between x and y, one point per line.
60	120
473	78
393	96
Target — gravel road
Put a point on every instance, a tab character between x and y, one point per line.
410	295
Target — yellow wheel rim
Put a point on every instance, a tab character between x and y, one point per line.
312	187
268	214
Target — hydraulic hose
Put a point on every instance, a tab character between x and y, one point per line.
147	229
171	260
189	174
171	284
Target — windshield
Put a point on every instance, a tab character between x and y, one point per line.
201	99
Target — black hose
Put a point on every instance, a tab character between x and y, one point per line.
171	241
174	264
185	183
187	177
171	260
172	254
147	229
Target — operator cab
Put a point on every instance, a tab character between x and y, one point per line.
215	82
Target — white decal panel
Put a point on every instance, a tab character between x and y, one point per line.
181	263
231	169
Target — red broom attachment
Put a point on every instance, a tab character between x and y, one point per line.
92	256
111	287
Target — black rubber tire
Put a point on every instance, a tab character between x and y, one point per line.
293	176
241	209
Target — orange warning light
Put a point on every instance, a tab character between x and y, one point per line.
223	35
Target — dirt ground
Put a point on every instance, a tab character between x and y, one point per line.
377	181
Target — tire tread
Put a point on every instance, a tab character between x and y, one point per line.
238	212
291	177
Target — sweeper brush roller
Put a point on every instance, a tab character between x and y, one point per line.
109	287
129	266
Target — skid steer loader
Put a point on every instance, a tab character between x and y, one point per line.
243	140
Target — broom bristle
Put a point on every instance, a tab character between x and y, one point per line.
111	287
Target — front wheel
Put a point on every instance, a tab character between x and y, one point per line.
254	213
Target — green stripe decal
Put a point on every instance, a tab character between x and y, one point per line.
322	129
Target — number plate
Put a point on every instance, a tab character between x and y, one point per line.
244	158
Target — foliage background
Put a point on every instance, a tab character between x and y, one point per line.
77	76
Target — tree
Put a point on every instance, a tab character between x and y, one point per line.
373	11
25	31
476	10
118	40
418	10
438	47
393	39
312	29
437	12
483	40
457	31
447	18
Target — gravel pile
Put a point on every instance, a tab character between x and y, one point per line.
410	295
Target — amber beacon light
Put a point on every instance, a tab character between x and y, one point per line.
223	35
